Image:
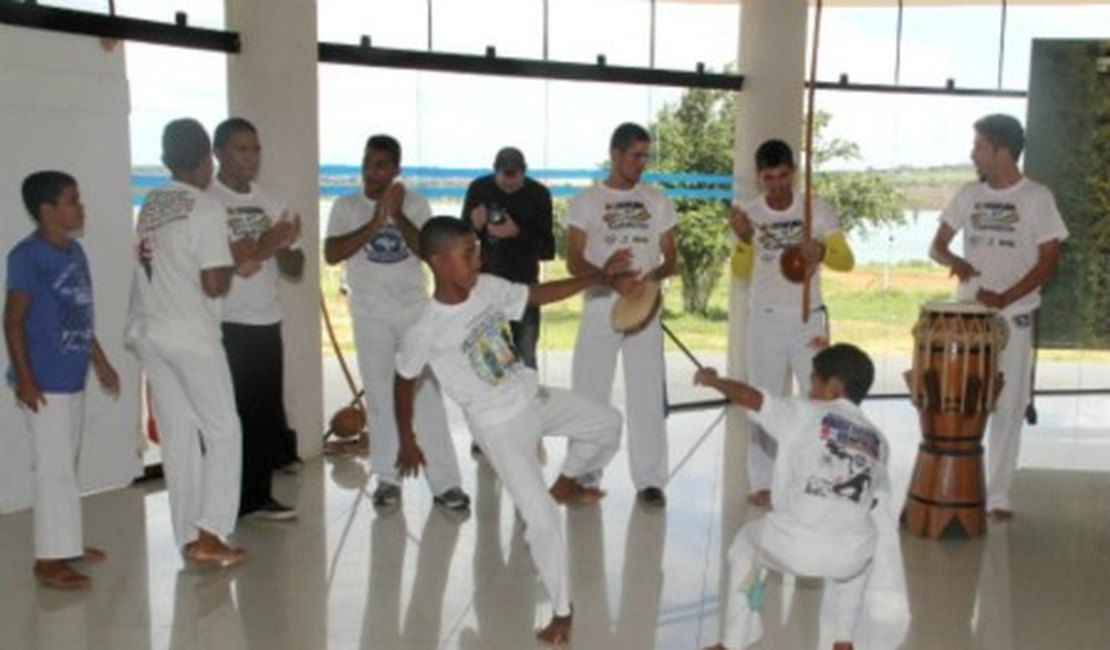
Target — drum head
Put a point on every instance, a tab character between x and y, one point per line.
632	312
957	307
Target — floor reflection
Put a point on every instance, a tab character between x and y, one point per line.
346	578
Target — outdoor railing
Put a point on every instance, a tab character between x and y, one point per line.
445	183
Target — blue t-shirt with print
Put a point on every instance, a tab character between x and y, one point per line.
58	328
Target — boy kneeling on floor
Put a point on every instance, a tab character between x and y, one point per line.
829	473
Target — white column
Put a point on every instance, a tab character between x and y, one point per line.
273	83
771	57
64	105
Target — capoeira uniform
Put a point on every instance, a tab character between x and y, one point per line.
829	471
174	328
387	296
58	332
1002	232
469	347
251	315
614	219
778	341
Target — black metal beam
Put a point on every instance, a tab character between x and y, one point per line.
899	89
514	67
132	29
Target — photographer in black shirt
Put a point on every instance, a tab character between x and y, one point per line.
512	215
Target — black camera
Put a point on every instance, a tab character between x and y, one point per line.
497	216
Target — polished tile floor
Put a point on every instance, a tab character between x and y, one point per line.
342	577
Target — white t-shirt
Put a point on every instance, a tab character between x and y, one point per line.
773	231
614	219
385	276
1002	231
181	231
252	300
829	471
470	349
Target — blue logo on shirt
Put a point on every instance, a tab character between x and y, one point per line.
387	246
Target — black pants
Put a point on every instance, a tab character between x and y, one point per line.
255	355
526	335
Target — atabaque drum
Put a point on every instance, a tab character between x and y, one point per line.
954	383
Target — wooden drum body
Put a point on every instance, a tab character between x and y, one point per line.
954	384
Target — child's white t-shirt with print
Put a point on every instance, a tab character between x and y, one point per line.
471	351
829	471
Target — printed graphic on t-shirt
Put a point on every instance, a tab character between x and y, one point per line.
844	468
387	246
247	221
74	289
991	222
489	347
628	222
776	236
159	209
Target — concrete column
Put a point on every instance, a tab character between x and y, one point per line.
273	83
772	58
64	105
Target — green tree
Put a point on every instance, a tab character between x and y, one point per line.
697	135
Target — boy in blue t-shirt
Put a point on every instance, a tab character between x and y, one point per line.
48	327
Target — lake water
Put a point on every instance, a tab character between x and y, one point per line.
905	243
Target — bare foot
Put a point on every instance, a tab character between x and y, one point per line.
760	498
557	631
209	549
568	491
843	645
91	555
1000	514
57	574
716	646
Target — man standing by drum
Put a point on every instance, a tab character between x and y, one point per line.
620	213
779	341
1012	234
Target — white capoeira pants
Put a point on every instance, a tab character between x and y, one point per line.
593	367
778	343
201	443
743	627
1004	430
377	341
592	430
55	431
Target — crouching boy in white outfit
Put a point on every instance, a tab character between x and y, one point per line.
464	335
829	472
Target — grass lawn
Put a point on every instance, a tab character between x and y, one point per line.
873	306
869	305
